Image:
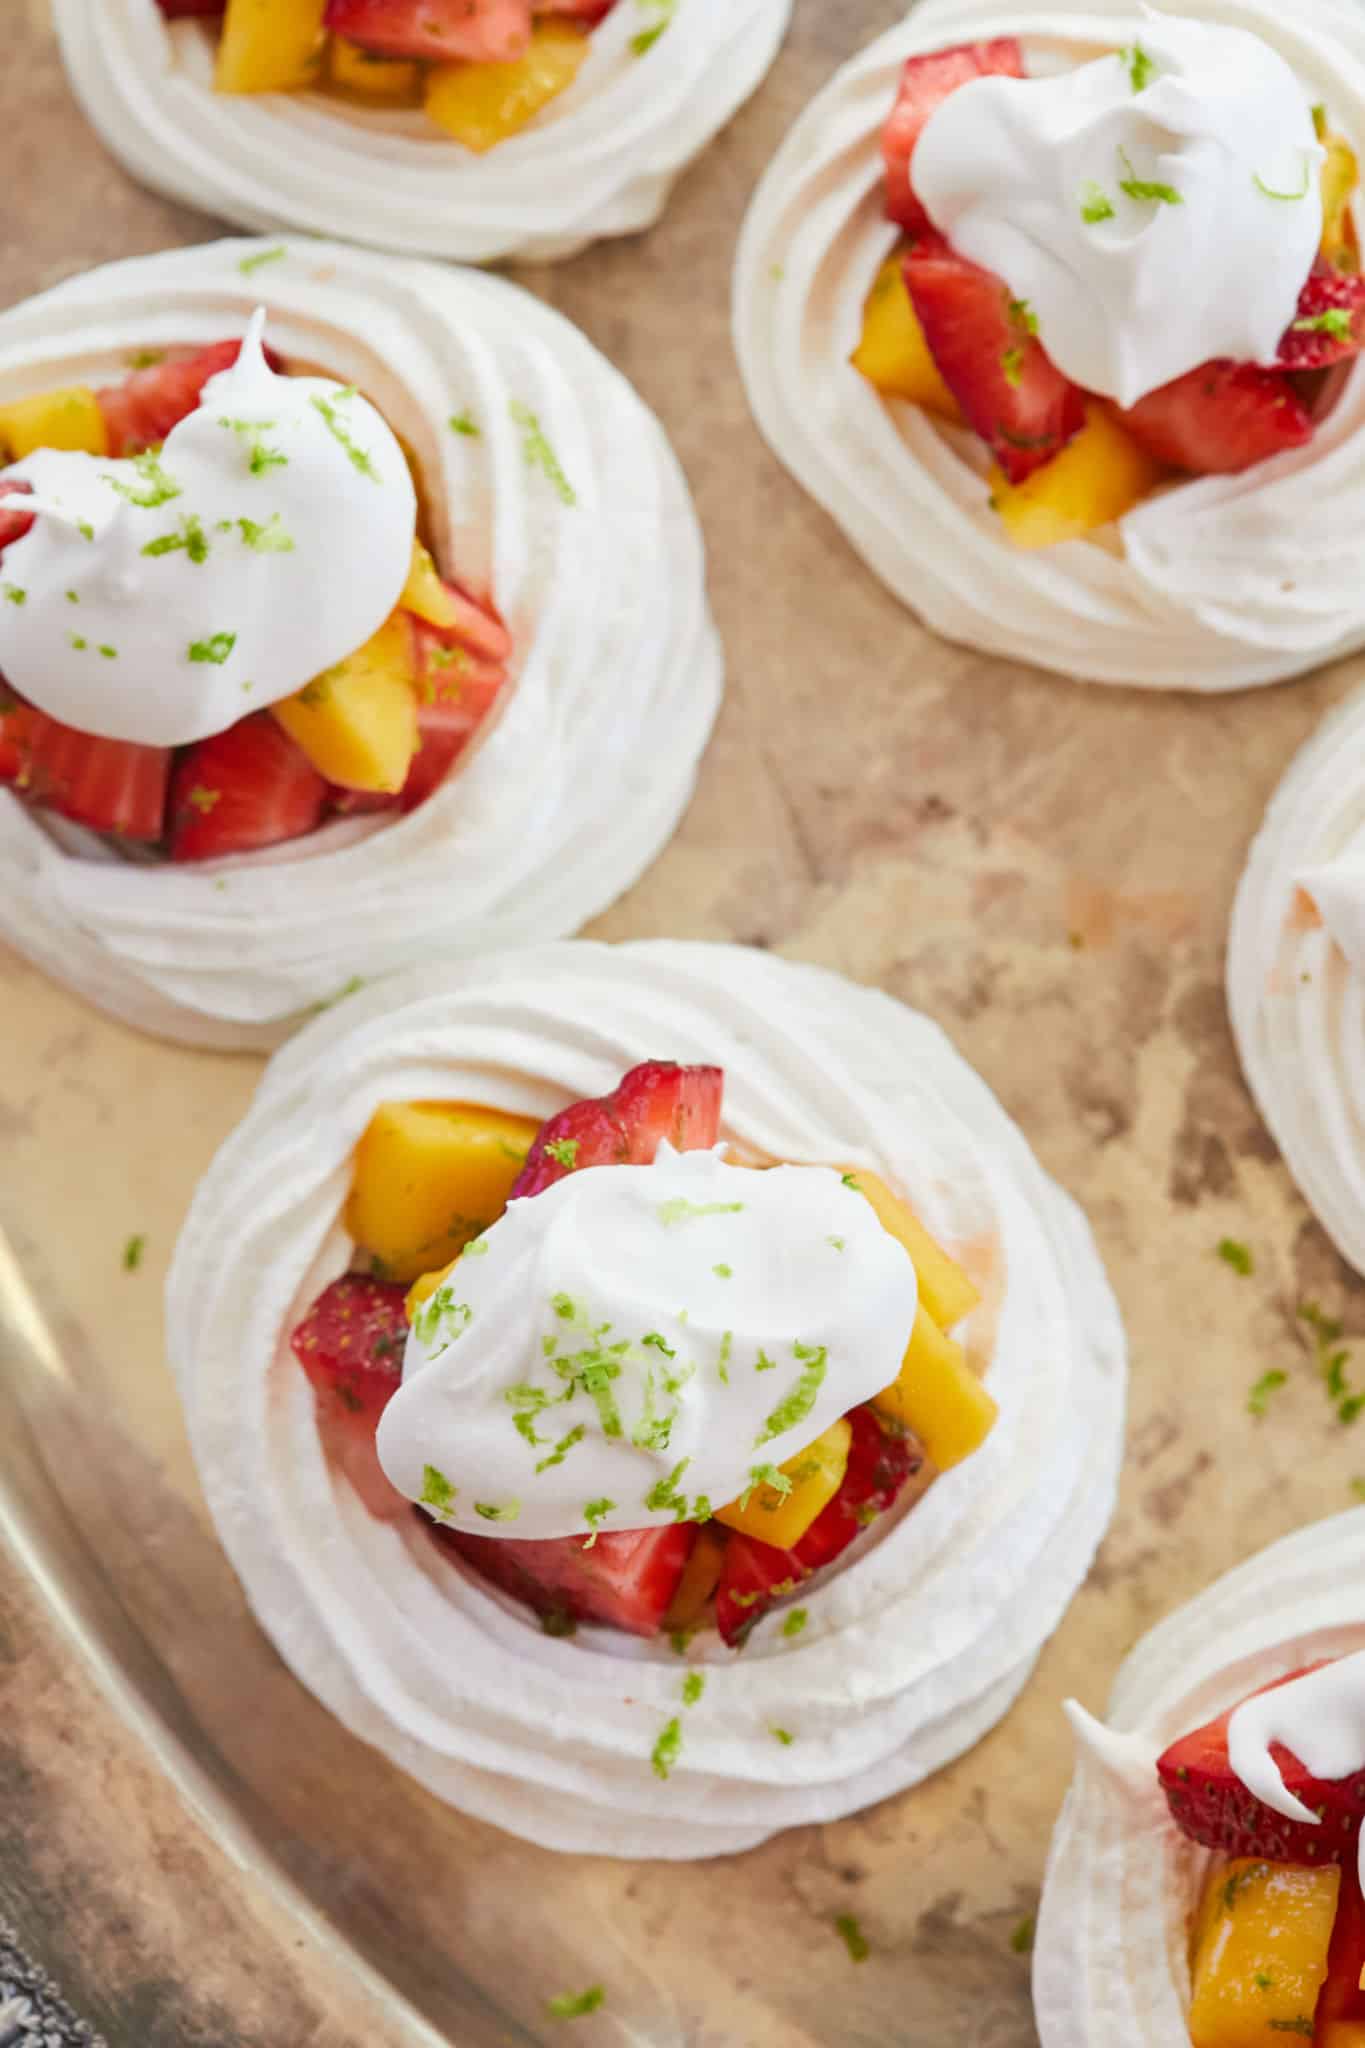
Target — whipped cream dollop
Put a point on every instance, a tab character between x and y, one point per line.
1102	194
1218	583
658	83
1296	973
1111	1956
160	598
916	1641
643	1344
557	499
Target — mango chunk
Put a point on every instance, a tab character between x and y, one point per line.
893	354
1340	177
944	1288
429	1176
816	1474
482	104
68	418
1262	1935
357	722
269	45
1097	477
425	595
701	1576
388	81
939	1397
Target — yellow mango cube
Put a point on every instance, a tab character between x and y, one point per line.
1340	177
429	1176
269	45
893	354
387	81
816	1474
425	595
939	1397
357	722
1260	1953
69	418
482	104
1100	474
701	1576
944	1288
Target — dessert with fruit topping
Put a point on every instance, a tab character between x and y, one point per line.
573	1385
472	129
1107	302
1205	1881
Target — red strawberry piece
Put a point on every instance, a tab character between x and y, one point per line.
1341	1997
351	1345
477	627
979	335
14	524
1211	1805
626	1128
140	412
480	31
107	785
178	10
1221	419
881	1463
926	83
456	691
590	11
245	788
627	1578
1329	326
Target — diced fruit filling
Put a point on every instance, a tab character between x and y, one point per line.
480	69
1277	1939
950	338
430	1178
379	731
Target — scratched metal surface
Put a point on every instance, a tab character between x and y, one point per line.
186	1838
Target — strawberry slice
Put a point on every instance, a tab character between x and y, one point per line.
926	83
107	785
479	31
477	627
881	1463
1342	1999
626	1128
351	1345
1329	326
245	788
1211	1805
979	335
627	1578
14	524
456	691
591	11
140	412
1221	419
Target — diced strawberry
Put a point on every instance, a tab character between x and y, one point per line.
140	412
925	83
13	523
480	31
1329	326
1342	1998
626	1578
1211	1805
626	1128
881	1463
245	788
107	785
1009	389
591	11
351	1345
477	627
456	691
1221	419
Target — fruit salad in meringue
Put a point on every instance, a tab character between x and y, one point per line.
220	625
1136	268
654	1387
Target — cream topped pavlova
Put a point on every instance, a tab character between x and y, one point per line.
1204	1886
610	1437
304	673
472	129
1058	311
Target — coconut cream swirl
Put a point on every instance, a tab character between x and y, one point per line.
1214	584
1296	974
599	161
911	1651
1111	1956
564	502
